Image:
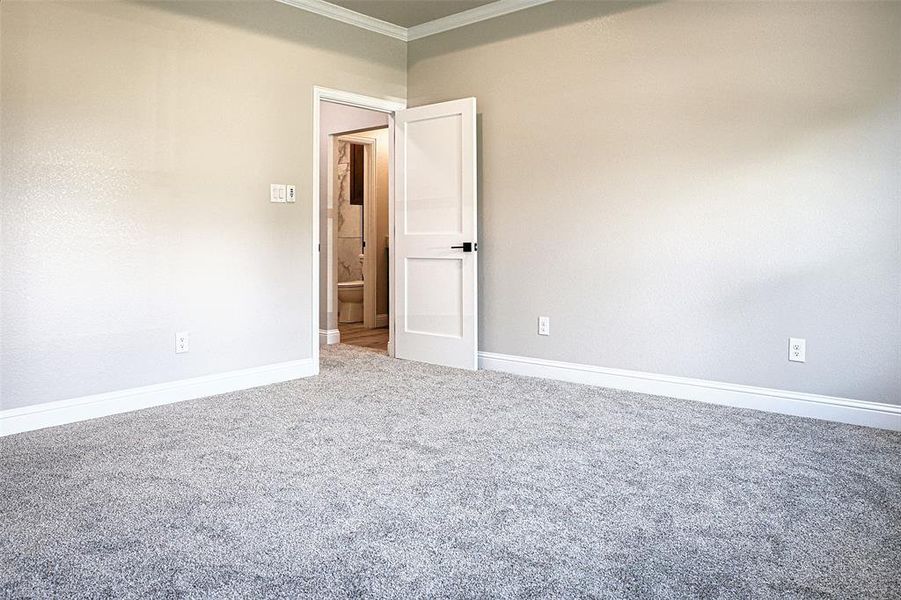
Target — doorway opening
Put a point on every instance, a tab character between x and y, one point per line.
359	203
355	139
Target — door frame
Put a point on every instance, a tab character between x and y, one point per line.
385	105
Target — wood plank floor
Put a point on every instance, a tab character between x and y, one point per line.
356	334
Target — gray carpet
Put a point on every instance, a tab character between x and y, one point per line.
387	478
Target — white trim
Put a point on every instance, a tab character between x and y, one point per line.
315	246
370	236
351	17
331	279
392	153
830	408
329	336
468	17
386	105
455	21
50	414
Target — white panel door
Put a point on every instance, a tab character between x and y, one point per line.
435	266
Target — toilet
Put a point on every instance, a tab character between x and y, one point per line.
350	301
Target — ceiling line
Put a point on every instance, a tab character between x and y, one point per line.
461	19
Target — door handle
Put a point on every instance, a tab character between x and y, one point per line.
467	247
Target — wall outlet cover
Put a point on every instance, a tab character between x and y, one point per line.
797	350
291	194
182	342
544	326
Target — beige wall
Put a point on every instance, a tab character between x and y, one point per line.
679	186
683	186
139	142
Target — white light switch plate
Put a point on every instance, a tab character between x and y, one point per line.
277	192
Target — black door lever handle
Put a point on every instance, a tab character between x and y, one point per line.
467	247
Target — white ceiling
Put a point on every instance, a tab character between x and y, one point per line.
408	13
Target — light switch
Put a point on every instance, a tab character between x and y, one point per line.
277	192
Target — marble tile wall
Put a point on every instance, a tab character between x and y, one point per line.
348	222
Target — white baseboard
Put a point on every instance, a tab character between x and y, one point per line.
50	414
829	408
381	320
329	336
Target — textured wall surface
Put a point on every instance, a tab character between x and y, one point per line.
679	186
335	118
683	186
139	142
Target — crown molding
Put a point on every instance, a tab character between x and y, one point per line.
467	17
351	17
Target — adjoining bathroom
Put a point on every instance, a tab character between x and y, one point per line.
354	230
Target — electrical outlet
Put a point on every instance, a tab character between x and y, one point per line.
182	342
544	326
292	193
797	350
